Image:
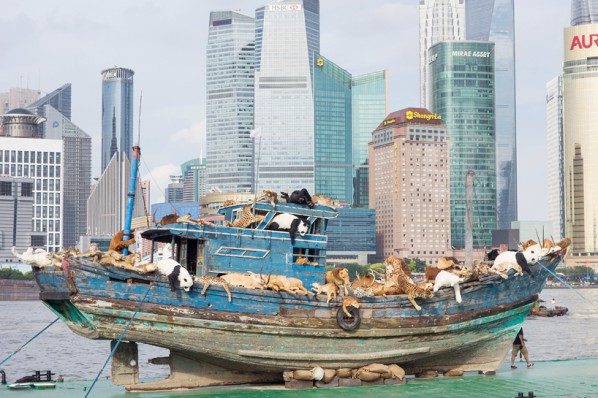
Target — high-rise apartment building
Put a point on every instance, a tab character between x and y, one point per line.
494	21
554	150
39	164
230	77
347	109
439	20
584	12
287	37
117	113
580	122
461	90
410	185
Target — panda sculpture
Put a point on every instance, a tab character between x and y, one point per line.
291	223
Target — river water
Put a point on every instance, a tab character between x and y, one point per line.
572	336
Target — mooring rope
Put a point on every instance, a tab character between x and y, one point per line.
30	340
122	335
569	286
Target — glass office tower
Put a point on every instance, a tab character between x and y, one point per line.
584	12
461	90
370	106
554	151
284	104
117	113
229	102
332	130
493	20
439	20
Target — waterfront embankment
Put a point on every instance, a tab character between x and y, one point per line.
18	290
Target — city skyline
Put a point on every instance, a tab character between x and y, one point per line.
174	108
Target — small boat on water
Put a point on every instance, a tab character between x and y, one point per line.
539	309
234	333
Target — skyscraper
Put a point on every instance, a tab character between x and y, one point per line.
117	113
493	20
194	179
584	12
59	99
76	147
369	93
439	20
461	90
410	185
580	123
287	36
347	109
229	106
332	131
554	149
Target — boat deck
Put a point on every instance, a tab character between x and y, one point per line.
568	378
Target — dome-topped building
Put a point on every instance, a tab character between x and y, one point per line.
22	123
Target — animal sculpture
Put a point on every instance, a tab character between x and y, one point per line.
339	277
37	258
241	280
448	279
270	196
507	260
291	223
329	289
406	285
301	197
280	283
118	244
168	219
247	218
175	273
208	280
491	255
321	200
350	302
395	264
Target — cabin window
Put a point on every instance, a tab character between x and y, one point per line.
241	252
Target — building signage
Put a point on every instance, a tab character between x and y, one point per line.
389	121
584	41
410	115
478	54
283	7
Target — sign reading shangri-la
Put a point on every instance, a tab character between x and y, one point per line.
410	115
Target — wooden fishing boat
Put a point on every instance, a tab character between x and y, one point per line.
260	333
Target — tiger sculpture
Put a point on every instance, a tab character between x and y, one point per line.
403	282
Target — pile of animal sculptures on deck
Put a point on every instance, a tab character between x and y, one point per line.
448	272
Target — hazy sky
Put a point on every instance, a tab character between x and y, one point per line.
47	43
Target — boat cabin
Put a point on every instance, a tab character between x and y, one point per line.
207	249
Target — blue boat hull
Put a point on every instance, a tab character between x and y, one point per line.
267	331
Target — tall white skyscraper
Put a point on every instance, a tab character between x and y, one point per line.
580	123
554	167
288	34
229	105
584	12
439	20
494	21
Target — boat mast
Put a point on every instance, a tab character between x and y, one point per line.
469	219
131	196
